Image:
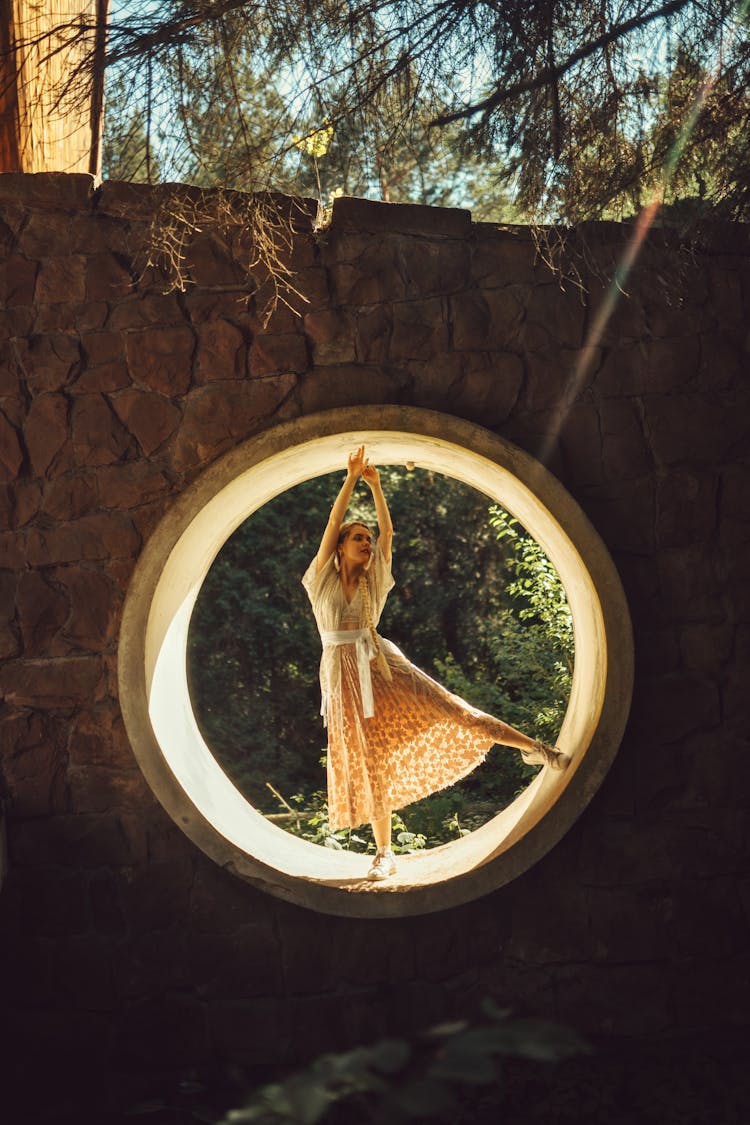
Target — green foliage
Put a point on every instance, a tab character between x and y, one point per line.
438	1077
477	605
558	111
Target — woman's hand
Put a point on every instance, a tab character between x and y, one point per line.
356	462
370	474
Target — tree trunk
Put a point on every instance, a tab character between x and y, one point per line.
51	92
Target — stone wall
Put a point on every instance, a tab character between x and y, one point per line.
124	947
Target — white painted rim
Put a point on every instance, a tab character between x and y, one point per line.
188	780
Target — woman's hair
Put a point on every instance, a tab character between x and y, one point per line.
346	528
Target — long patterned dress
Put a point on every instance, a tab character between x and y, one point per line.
389	742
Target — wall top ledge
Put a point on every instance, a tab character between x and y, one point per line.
122	199
136	200
350	213
48	189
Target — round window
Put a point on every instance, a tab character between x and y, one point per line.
186	776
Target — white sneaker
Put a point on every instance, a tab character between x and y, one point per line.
383	865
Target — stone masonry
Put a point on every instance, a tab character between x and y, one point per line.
123	946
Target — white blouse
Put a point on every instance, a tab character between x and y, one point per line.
341	622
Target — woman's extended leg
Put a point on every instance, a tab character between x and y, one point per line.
381	830
532	750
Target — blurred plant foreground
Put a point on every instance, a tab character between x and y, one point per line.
494	1068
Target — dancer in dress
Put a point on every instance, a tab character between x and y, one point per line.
394	734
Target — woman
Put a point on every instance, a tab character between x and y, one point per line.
394	734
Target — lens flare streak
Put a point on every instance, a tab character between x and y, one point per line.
616	289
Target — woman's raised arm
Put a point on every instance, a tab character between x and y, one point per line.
330	539
385	524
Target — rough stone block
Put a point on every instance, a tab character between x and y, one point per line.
54	904
350	385
92	315
687	504
10	374
42	611
580	437
490	319
735	494
48	189
722	360
218	414
220	904
33	750
61	280
625	450
366	272
310	291
273	354
52	684
49	362
373	334
332	335
90	595
98	536
670	707
44	233
18	322
695	428
689	581
70	496
8	239
9	639
24	502
209	261
419	330
624	514
560	310
17	282
99	438
46	434
221	352
97	737
706	648
252	1032
151	418
99	233
107	277
598	999
11	454
125	200
102	789
160	359
242	963
107	378
659	650
470	320
131	484
82	840
146	311
551	373
504	257
233	306
489	387
352	214
61	317
435	268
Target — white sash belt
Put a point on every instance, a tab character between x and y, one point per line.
366	651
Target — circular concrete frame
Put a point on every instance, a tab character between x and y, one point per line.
188	780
